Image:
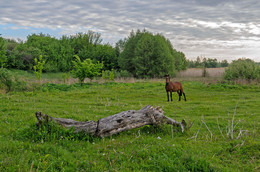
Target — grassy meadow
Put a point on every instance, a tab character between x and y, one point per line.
224	135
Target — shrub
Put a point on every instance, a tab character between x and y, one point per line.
3	58
242	69
85	69
38	67
105	74
65	77
11	82
108	75
6	78
123	74
111	75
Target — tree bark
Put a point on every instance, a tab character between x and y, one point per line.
117	123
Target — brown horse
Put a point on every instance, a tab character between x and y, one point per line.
174	87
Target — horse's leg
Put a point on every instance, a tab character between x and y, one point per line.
171	95
167	95
179	95
184	96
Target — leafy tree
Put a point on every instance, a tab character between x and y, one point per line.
120	46
66	53
22	57
3	58
85	69
143	55
198	62
224	63
106	54
206	63
152	57
180	60
58	53
209	63
49	47
147	55
242	68
11	44
84	43
125	60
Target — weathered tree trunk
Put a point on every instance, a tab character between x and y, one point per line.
117	123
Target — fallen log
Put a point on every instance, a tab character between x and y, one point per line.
117	123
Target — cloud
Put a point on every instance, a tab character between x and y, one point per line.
216	28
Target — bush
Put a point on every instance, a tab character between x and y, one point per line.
3	58
123	74
6	78
108	75
85	69
242	69
11	82
38	67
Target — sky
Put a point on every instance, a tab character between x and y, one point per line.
222	29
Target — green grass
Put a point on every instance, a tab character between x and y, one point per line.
30	75
24	147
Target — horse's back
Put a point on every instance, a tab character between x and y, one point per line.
177	86
173	86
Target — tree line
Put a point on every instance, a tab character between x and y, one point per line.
202	62
141	54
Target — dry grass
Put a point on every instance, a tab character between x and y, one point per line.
198	72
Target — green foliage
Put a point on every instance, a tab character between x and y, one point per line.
111	75
148	55
152	58
10	81
106	54
6	78
142	54
3	58
105	74
224	63
122	74
201	62
242	69
85	69
22	56
38	67
58	53
65	77
125	59
108	75
50	133
180	61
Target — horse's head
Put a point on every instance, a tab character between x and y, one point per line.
167	77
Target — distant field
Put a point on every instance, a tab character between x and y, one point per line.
224	136
198	72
